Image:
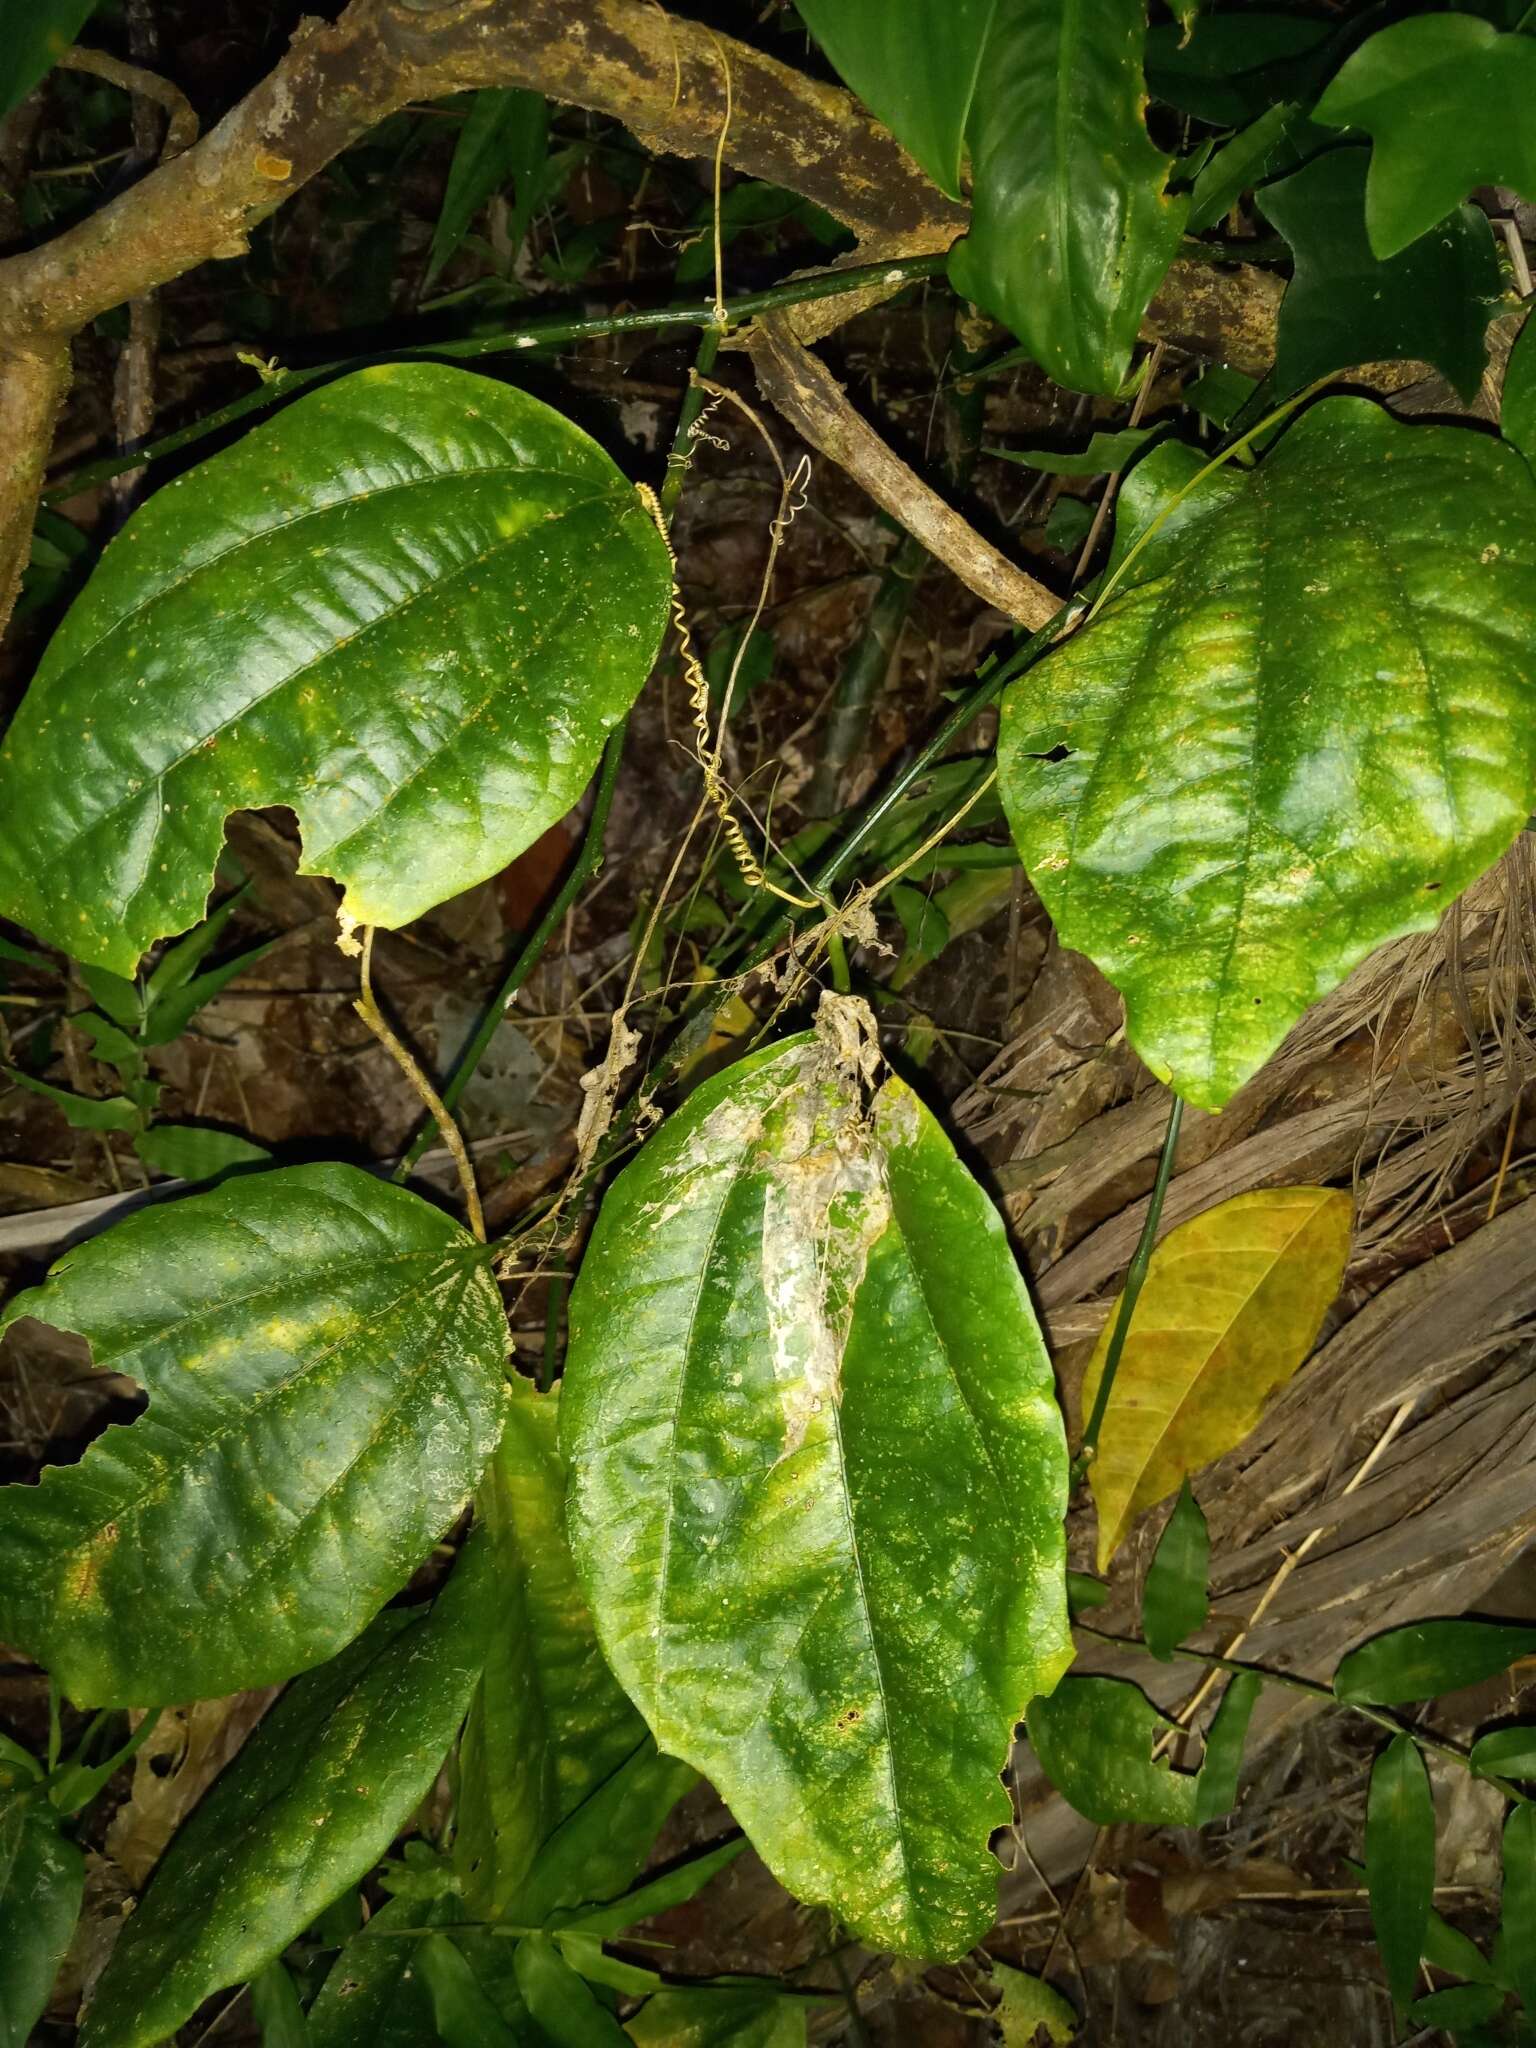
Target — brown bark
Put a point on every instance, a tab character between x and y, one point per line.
33	383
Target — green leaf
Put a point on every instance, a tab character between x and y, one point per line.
550	1728
276	2009
1069	524
374	1994
1446	100
719	2019
178	963
111	1044
504	140
1239	165
1257	778
42	1877
603	1846
1173	1600
1431	303
330	1776
195	1151
18	1766
411	607
173	1012
1400	1861
1028	2004
1084	1593
559	2003
1506	1753
1104	453
36	36
464	2013
918	66
23	956
1430	1657
818	1479
1094	1739
1232	1304
1517	415
674	1887
1072	225
1447	1948
323	1356
1223	1763
1458	2005
1518	1916
1236	65
81	1112
119	996
1219	395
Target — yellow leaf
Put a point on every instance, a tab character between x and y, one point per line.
1232	1304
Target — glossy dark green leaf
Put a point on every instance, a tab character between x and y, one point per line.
818	1477
195	1151
1069	524
1173	1600
1300	725
503	141
1400	1860
1517	414
411	607
1238	166
560	2004
331	1775
1094	1739
276	2009
917	66
374	1994
80	1112
1430	303
1219	395
1518	1909
1223	1762
1430	1657
37	33
1105	452
42	1876
1457	2006
464	2014
1506	1753
1446	100
719	2019
1072	225
550	1729
323	1354
1237	65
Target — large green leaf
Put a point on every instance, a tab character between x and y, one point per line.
411	607
1300	726
1400	1861
1425	1658
1072	225
818	1478
1430	303
374	1995
1094	1739
323	1354
332	1774
42	1875
916	65
550	1731
1447	101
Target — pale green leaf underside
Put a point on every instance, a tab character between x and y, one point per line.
411	607
1304	723
818	1478
333	1773
324	1357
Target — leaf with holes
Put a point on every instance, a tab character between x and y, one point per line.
1232	1304
551	1734
818	1478
332	1774
1302	723
323	1354
412	607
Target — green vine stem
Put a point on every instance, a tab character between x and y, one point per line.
1135	1276
1325	1695
546	333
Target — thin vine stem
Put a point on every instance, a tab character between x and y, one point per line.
550	331
1135	1277
1324	1694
